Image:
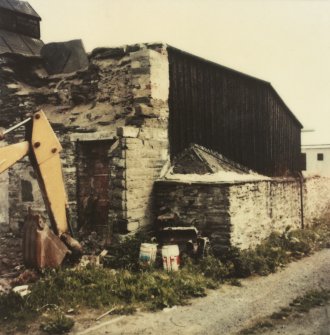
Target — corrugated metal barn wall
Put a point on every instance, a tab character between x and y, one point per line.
237	115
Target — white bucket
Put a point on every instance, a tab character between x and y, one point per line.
148	253
171	257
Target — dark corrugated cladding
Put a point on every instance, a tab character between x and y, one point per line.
239	116
19	28
19	44
19	17
19	6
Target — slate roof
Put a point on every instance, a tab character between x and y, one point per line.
199	160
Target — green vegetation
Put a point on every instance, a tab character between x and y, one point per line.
125	285
103	288
276	251
57	323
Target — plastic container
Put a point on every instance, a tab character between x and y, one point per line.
148	253
171	257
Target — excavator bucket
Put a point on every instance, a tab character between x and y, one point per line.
41	247
45	158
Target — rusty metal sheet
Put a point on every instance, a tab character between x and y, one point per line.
41	247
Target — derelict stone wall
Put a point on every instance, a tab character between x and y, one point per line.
316	199
258	208
123	89
145	146
203	205
232	214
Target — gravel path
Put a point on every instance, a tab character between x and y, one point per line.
315	322
229	309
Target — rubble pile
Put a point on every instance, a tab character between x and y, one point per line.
86	100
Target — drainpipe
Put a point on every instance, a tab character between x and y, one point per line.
301	182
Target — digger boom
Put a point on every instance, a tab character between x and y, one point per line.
43	148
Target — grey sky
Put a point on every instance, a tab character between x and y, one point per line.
284	42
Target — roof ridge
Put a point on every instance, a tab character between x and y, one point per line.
223	158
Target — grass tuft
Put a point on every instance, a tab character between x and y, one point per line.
57	323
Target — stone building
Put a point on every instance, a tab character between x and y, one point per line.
124	118
118	130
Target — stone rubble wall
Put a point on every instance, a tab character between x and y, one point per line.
122	96
242	214
146	147
316	199
258	208
203	205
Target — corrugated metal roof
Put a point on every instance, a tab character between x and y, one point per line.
18	6
19	44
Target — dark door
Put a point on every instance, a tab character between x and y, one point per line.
93	185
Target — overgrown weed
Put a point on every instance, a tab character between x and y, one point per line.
276	251
99	288
127	286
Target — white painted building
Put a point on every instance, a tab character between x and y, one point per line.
317	159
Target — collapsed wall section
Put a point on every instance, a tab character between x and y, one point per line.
123	97
139	148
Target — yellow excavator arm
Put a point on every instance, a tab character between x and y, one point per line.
43	148
45	152
10	154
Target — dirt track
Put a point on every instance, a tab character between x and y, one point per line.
229	309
